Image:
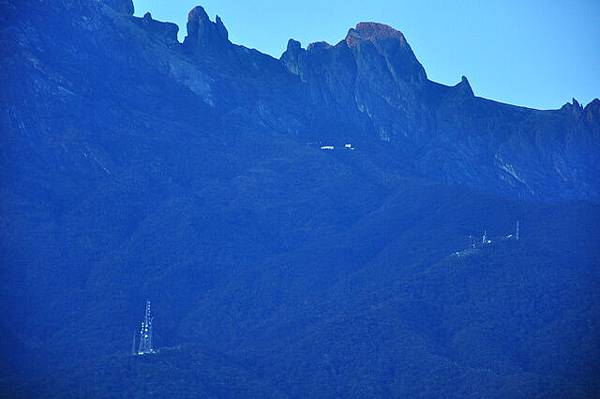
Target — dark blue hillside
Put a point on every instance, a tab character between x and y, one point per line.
368	313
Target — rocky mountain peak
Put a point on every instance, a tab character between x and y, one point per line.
203	34
290	58
574	107
593	106
373	32
294	45
464	87
391	45
592	115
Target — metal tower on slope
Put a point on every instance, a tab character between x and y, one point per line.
145	346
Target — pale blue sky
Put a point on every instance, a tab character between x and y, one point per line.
533	53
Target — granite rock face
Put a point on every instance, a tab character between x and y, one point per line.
389	44
455	136
203	34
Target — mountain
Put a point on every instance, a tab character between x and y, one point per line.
137	167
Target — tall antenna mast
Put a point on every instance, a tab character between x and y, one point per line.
517	231
145	345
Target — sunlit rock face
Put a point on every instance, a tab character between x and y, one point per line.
390	45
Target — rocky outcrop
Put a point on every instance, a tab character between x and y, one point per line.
165	31
370	41
592	116
372	73
464	87
203	35
291	57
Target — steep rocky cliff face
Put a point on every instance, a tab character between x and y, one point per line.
451	135
133	166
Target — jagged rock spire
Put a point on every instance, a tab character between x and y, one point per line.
464	87
291	57
294	45
203	34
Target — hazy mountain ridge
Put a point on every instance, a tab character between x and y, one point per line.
370	86
134	166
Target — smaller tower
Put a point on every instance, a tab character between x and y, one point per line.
517	230
472	241
145	345
484	239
